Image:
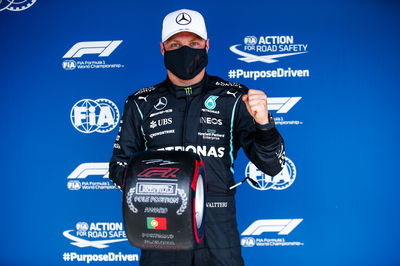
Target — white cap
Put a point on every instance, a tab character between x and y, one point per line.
183	20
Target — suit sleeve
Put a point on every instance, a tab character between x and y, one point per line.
128	141
263	144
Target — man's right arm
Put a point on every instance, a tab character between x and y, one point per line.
129	140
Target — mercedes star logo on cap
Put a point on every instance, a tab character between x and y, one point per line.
183	19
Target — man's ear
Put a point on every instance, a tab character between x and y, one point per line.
162	50
207	44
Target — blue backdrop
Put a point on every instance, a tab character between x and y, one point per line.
335	104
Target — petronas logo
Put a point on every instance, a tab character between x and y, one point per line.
210	102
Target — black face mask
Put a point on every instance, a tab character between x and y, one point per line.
186	62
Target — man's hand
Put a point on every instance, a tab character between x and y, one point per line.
256	104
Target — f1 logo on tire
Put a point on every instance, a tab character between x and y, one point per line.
159	171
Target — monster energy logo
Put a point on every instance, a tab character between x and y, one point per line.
188	90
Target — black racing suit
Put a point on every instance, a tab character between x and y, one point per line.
211	119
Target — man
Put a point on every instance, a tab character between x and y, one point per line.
196	112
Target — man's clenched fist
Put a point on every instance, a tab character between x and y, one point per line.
256	104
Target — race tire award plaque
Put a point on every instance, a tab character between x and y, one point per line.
164	200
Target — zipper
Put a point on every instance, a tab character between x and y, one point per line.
184	121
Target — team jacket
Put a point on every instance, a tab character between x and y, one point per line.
209	119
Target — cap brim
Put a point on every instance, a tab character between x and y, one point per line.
184	30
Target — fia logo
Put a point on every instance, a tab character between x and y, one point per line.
88	116
95	235
82	226
74	185
210	102
250	40
13	5
281	181
69	64
248	242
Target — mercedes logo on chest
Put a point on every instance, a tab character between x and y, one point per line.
162	102
183	19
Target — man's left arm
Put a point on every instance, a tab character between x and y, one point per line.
256	133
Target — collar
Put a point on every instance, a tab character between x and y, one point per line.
187	91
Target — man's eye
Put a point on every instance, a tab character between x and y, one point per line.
175	45
194	44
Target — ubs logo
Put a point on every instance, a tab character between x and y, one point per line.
161	122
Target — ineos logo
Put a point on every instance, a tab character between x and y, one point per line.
210	121
162	102
183	19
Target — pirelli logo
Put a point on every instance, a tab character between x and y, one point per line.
156	189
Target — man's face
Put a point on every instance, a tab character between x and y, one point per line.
184	38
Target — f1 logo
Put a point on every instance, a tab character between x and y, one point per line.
159	171
86	169
282	104
102	48
282	226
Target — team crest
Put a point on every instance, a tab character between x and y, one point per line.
210	102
